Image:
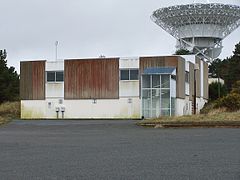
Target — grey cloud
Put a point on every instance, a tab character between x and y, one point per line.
87	28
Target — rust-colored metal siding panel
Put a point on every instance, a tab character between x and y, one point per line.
91	78
32	80
198	78
146	62
171	61
180	78
25	80
205	80
191	81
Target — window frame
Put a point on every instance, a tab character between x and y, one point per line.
55	77
129	74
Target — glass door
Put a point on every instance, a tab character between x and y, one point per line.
156	95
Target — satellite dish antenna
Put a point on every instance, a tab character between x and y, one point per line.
199	27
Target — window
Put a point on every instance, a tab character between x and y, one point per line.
129	74
55	76
187	77
50	76
59	76
134	74
124	74
165	81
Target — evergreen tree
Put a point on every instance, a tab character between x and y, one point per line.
183	52
213	90
9	80
228	69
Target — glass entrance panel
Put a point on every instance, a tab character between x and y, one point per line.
165	81
156	81
156	99
165	98
146	103
146	81
156	103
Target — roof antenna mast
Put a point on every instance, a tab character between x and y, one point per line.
56	50
207	1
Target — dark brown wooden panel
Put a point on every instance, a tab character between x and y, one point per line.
91	78
32	80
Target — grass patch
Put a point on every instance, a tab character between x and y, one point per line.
215	118
8	111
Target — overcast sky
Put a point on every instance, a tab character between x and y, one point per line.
88	28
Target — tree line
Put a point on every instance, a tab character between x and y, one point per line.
9	80
227	69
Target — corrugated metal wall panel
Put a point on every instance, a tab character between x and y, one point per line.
38	79
191	84
146	62
25	80
32	80
171	61
205	80
91	78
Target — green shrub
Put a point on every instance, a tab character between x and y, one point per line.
213	90
231	102
207	107
236	87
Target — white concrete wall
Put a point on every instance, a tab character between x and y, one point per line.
129	89
189	58
215	80
200	104
173	88
183	107
33	109
54	89
129	62
124	108
55	65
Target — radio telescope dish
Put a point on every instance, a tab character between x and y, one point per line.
199	27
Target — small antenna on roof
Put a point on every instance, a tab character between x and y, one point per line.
102	56
56	44
195	1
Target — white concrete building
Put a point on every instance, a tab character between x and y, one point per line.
112	88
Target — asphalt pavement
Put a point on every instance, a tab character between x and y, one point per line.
103	149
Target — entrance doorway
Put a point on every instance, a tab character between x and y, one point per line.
156	95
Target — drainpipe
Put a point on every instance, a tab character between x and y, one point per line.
62	110
57	112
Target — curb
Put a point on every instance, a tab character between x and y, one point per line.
192	125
